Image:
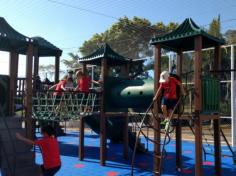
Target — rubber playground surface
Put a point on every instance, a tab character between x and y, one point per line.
117	166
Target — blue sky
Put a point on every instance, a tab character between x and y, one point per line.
68	23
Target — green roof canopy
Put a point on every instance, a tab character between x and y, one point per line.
46	49
11	39
183	37
104	51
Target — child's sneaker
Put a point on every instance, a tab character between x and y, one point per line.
167	123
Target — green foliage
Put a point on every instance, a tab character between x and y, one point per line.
91	45
48	71
230	36
215	28
128	37
164	62
72	62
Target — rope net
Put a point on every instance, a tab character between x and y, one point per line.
68	106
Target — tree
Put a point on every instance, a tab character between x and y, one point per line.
207	56
72	62
128	37
230	36
215	27
48	71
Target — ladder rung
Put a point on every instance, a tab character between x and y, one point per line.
156	172
160	157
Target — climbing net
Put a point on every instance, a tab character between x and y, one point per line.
68	106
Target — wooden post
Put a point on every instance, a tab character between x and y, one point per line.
179	62
125	71
197	73
198	144
84	68
103	120
29	63
178	126
126	138
216	122
157	134
13	69
57	68
217	146
81	139
36	62
126	119
217	60
198	104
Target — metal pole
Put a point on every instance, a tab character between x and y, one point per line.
233	100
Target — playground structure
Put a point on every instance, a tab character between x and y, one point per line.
121	93
188	36
33	47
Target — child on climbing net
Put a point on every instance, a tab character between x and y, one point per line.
50	150
169	99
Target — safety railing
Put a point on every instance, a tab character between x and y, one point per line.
210	94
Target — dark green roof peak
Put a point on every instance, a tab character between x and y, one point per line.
182	37
10	38
104	51
45	48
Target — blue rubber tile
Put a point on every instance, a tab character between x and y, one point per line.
116	165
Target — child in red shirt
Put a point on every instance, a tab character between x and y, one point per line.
83	85
59	88
168	85
50	150
83	82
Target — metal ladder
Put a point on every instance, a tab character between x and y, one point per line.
166	133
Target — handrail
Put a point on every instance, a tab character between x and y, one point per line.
181	99
167	130
140	131
137	138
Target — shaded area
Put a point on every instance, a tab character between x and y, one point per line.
114	130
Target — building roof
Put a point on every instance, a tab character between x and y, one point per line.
46	49
10	38
104	51
183	37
